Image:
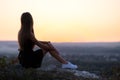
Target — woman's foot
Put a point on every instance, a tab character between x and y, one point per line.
69	65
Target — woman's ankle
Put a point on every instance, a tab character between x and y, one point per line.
65	62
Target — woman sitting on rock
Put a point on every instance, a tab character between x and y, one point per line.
27	40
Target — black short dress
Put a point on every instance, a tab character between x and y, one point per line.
29	58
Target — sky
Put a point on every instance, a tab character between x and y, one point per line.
63	20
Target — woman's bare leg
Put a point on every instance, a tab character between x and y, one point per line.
58	57
55	54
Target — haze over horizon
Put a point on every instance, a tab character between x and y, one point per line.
63	20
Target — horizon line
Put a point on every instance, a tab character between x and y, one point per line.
71	41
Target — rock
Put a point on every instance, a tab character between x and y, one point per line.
78	73
51	72
85	74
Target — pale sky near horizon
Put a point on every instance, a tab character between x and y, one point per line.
63	20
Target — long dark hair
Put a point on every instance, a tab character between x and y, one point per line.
26	29
27	21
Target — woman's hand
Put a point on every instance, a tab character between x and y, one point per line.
47	47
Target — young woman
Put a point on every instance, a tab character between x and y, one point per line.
26	39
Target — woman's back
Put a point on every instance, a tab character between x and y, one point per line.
25	41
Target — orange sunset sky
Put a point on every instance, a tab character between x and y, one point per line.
63	20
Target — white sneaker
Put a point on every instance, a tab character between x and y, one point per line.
69	65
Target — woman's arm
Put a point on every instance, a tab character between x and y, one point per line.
40	43
45	42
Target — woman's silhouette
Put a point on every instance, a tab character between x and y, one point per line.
26	39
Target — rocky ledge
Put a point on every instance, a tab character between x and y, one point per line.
16	72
